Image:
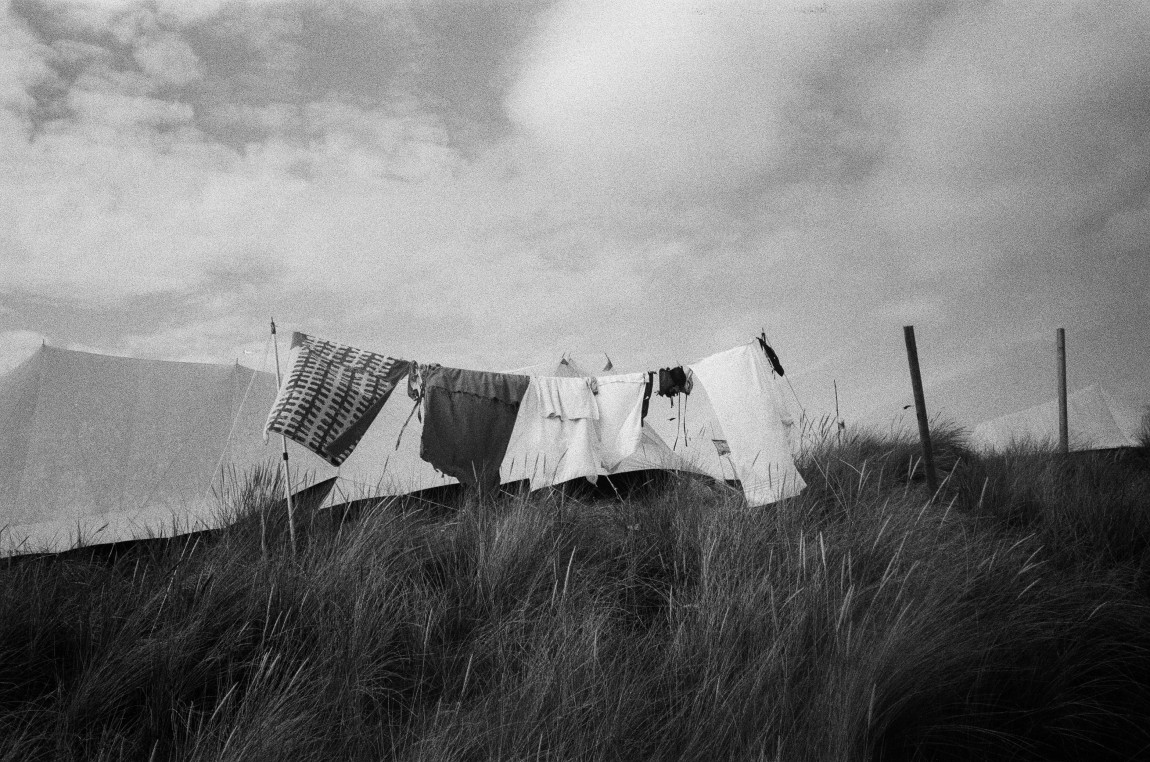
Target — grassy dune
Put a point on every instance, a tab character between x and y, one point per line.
1009	618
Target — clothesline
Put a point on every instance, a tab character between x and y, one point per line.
484	428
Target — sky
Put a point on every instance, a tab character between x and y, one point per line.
491	184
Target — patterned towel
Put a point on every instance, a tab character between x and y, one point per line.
331	395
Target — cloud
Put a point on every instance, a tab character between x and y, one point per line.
734	102
131	196
686	97
478	184
609	92
169	217
1040	137
840	169
168	60
22	65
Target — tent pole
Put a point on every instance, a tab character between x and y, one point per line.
1063	413
920	407
287	469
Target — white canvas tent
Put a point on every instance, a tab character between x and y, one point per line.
1098	420
97	449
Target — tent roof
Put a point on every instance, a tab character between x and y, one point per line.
1098	420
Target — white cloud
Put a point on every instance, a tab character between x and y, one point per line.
689	96
22	64
168	59
95	12
127	112
682	174
124	196
219	334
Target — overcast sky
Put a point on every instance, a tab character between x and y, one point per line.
490	184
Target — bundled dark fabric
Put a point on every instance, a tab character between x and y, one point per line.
468	419
774	358
416	377
674	381
647	395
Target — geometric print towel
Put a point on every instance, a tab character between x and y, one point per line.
331	395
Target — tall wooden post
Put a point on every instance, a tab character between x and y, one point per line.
920	408
287	469
1063	412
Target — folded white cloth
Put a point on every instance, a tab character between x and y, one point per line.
555	438
568	399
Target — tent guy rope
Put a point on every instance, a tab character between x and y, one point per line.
287	469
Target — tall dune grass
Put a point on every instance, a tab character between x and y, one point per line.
1006	617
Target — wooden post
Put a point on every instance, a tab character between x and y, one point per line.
1063	413
287	470
920	408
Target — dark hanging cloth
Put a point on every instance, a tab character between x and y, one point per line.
468	418
774	358
647	395
674	381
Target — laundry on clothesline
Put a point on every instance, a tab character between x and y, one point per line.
331	395
552	424
468	417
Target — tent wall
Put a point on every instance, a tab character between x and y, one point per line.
1098	420
101	449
